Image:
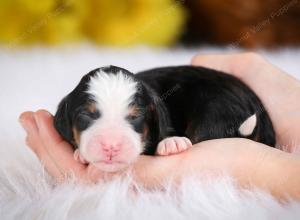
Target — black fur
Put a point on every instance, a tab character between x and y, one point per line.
155	114
206	104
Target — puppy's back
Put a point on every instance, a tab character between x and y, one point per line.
206	104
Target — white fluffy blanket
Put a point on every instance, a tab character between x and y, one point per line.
38	78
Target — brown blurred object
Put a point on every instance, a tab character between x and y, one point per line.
255	23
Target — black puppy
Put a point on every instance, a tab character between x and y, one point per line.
112	116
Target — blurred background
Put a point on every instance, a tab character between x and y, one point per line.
159	23
46	46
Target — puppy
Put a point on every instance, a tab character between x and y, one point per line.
113	115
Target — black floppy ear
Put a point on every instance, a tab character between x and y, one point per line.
161	118
160	122
62	121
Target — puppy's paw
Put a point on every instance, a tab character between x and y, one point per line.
78	157
173	145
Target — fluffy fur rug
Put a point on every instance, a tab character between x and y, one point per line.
38	78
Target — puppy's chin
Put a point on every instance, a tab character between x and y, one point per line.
111	167
118	163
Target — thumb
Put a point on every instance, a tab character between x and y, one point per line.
214	61
45	125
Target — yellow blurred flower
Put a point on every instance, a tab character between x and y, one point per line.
109	22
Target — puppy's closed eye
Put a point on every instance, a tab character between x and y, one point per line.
136	118
135	113
84	119
132	117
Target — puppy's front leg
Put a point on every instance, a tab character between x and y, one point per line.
173	145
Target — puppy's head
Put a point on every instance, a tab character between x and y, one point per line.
112	118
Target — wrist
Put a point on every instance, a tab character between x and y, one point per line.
272	170
152	171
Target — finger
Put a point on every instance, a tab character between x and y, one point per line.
56	154
45	126
215	61
27	121
60	163
53	143
33	140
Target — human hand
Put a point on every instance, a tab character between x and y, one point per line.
279	92
55	153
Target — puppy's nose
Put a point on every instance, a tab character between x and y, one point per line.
110	148
103	146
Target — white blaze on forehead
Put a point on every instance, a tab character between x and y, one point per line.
112	92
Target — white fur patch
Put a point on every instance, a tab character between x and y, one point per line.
248	126
112	93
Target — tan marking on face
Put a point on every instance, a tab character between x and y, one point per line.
76	135
133	110
91	107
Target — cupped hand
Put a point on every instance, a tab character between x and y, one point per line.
55	153
279	92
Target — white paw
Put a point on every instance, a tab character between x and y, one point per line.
173	145
78	157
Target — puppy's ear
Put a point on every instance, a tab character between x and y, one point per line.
62	120
161	117
158	117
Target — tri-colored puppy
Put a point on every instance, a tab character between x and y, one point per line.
113	115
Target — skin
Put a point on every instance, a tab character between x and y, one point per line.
251	164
